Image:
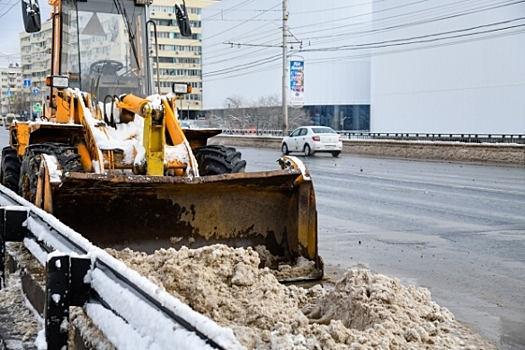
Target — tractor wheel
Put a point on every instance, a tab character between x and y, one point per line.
215	160
10	170
67	156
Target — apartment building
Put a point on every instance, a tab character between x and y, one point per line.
11	85
179	58
35	54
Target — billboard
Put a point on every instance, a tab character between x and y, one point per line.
296	83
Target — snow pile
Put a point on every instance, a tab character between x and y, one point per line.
283	271
20	310
128	136
362	311
91	335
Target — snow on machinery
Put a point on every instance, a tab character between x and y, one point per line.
110	159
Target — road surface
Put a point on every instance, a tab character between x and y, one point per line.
456	229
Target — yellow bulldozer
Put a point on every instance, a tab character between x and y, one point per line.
109	158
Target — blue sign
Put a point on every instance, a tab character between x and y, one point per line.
27	83
36	91
9	93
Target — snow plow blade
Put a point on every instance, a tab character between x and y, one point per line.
275	210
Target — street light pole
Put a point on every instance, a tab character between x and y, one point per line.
285	67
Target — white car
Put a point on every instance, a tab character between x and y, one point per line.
313	139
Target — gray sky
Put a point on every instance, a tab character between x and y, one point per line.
11	25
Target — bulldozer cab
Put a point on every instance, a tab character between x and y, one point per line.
102	47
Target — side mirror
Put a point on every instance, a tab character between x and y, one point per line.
31	15
183	20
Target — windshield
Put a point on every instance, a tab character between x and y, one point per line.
323	131
101	49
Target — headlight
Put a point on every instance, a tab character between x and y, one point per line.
181	88
57	81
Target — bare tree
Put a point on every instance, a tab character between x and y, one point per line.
262	115
234	113
297	117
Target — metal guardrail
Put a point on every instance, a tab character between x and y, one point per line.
68	258
251	132
465	138
365	135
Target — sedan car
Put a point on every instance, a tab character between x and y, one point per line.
313	139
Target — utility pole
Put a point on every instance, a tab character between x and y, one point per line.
286	65
285	68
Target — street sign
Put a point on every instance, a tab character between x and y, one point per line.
12	98
35	91
27	83
9	93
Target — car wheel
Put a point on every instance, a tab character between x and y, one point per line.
335	154
307	150
284	149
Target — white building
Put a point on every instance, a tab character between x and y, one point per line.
242	56
436	66
466	74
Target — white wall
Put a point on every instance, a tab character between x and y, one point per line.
252	72
470	84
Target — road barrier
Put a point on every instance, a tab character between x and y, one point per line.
366	135
115	298
496	153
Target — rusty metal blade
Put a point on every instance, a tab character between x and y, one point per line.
270	209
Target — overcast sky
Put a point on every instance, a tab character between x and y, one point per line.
11	25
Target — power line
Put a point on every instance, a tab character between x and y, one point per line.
413	23
416	23
388	44
334	37
405	41
9	9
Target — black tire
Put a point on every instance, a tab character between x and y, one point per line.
335	154
307	150
10	170
216	160
67	156
284	149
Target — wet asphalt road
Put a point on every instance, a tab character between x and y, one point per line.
456	229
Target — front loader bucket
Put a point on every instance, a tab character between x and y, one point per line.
275	210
